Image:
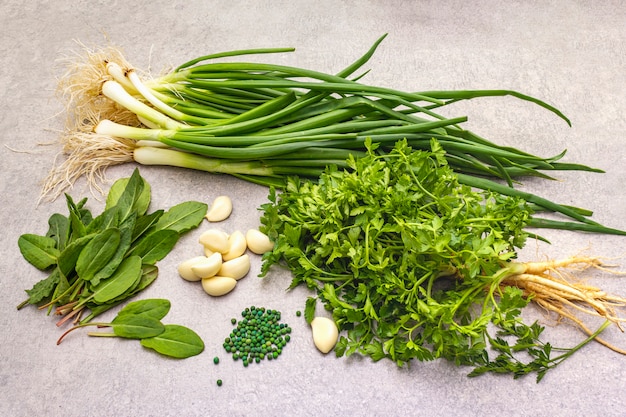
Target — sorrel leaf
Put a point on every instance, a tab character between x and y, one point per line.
39	251
156	245
136	327
156	308
176	341
183	217
126	275
97	253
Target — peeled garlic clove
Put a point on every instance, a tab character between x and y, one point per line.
208	252
325	334
235	268
215	240
220	209
208	266
185	268
258	242
218	286
237	246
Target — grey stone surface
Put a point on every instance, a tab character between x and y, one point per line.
569	53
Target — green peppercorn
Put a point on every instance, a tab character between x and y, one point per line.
258	335
216	360
219	382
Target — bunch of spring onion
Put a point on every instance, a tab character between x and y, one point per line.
264	122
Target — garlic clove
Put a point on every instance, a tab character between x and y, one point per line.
258	242
235	268
218	285
208	267
325	333
185	268
237	246
220	209
215	240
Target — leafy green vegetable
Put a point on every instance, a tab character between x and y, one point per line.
182	217
120	191
58	228
176	341
153	307
98	262
142	320
39	251
124	278
412	263
43	288
97	253
136	327
156	245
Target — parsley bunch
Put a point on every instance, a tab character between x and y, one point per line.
409	261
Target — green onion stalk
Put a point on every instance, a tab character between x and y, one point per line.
264	122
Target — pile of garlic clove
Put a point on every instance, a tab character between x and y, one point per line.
225	260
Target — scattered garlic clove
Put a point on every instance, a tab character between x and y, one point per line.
235	268
258	242
185	268
220	209
218	285
215	240
325	333
208	267
208	252
237	246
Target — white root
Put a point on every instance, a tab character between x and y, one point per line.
553	288
88	154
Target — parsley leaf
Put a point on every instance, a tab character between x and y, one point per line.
407	259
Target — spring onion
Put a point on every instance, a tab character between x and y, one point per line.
264	122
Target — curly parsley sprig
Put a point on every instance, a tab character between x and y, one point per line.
413	264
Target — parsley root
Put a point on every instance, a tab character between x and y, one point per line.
551	286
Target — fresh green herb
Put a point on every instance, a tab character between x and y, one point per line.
141	320
259	335
96	263
264	122
176	341
156	308
415	265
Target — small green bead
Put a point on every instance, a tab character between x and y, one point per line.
219	382
233	320
298	313
216	360
275	354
